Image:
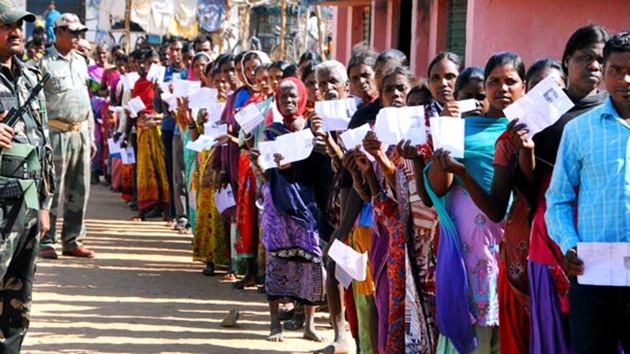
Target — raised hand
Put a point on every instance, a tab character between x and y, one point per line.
519	135
371	144
447	163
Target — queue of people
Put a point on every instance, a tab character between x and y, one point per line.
464	255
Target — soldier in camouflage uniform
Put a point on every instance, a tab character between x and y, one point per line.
26	180
72	135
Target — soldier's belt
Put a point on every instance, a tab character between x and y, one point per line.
65	127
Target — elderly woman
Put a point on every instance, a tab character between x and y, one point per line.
289	220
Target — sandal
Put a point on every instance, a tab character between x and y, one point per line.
245	283
229	277
137	218
294	324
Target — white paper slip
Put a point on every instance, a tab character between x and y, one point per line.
352	262
295	146
540	107
249	118
129	80
277	117
214	131
166	86
605	264
467	105
156	73
203	98
336	114
128	156
114	147
135	106
448	133
352	138
395	124
202	143
116	109
342	276
224	198
215	111
185	88
170	100
267	150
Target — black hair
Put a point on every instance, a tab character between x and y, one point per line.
542	64
472	74
249	56
311	56
421	87
582	38
308	70
122	57
115	48
202	38
290	71
175	39
148	53
37	41
503	58
199	56
262	67
187	47
402	70
223	59
450	56
238	59
282	65
136	54
361	55
618	43
392	55
39	30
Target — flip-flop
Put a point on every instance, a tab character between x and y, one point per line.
293	324
230	277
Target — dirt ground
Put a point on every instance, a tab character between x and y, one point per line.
143	294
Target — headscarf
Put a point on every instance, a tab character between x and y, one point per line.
264	60
302	97
191	71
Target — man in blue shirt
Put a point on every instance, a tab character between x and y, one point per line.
592	177
173	144
50	16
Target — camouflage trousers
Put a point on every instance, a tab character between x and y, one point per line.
19	228
72	175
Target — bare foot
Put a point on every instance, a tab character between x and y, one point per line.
311	334
275	333
335	348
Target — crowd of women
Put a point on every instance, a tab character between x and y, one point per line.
459	257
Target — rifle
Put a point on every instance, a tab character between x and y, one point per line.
16	113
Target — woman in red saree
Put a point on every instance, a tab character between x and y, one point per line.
153	194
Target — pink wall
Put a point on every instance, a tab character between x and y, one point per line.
535	28
348	26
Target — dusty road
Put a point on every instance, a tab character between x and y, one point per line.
143	294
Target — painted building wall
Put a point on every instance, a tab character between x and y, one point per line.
535	28
531	28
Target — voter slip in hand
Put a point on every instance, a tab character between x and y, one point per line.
336	114
352	263
128	156
135	106
214	131
448	133
224	198
352	138
605	264
293	147
129	80
249	118
541	107
203	98
395	124
156	73
185	88
170	100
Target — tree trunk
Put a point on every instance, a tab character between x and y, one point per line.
283	25
127	25
245	28
320	33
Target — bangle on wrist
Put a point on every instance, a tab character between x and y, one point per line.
388	171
